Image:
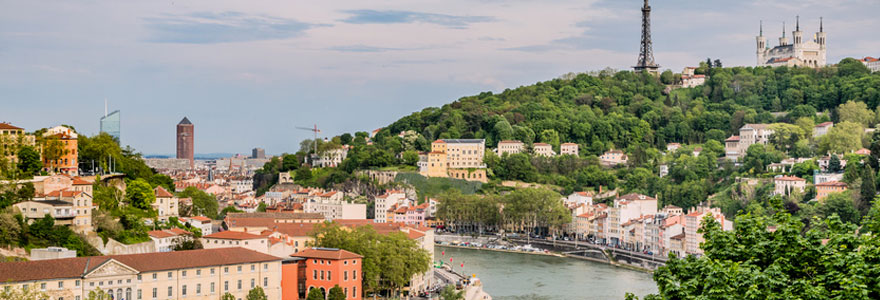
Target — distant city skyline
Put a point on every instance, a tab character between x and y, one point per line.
252	72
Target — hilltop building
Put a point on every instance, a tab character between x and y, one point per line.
543	149
569	148
735	146
872	63
456	158
509	147
800	53
185	146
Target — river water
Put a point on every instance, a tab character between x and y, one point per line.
516	276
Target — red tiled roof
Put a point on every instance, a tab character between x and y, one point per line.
825	124
9	126
510	142
64	193
541	144
869	59
168	233
568	144
162	192
80	181
233	235
678	237
635	197
732	138
200	218
439	141
326	253
832	183
412	234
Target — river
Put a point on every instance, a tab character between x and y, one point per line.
517	276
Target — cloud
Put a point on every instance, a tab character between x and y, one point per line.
226	27
361	48
368	16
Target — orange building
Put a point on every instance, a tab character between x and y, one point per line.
67	154
321	268
825	188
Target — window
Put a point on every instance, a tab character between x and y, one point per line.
184	274
253	268
315	275
345	276
239	284
354	262
92	283
182	291
128	293
61	284
212	271
155	276
155	293
212	287
354	275
170	291
169	275
266	281
354	291
198	289
77	283
239	269
225	285
199	272
226	270
43	286
346	292
139	277
252	283
77	298
329	276
322	275
265	266
119	281
140	294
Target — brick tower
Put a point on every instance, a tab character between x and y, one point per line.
185	141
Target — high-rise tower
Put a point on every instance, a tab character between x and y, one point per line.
646	51
185	141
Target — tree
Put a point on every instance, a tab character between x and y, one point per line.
140	194
183	244
315	294
336	293
667	77
842	138
856	112
503	130
834	164
261	207
717	64
450	293
10	230
29	161
852	67
345	138
227	296
257	293
868	189
304	173
841	205
410	157
203	204
98	294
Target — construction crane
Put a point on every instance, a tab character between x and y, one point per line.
316	131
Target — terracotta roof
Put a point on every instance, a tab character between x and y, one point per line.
694	214
326	253
233	235
510	142
64	193
863	151
541	144
439	141
80	181
77	267
825	124
412	234
9	126
678	237
280	216
732	138
200	218
832	183
167	233
869	59
568	144
162	192
789	178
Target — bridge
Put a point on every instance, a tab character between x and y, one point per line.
597	253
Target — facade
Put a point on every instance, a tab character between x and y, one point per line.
111	124
785	185
202	223
332	157
613	157
12	138
569	148
258	153
264	242
826	177
873	64
68	207
509	147
543	149
385	201
324	268
196	274
693	223
185	145
167	238
66	156
735	146
825	188
822	129
799	53
332	206
456	158
689	79
166	204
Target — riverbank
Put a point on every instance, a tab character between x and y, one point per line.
491	243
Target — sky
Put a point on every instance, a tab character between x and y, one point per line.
247	73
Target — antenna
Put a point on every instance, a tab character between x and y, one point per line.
783	28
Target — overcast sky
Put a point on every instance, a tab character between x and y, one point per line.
247	72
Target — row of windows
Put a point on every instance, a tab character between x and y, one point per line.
330	275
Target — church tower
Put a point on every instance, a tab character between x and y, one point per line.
797	34
820	39
783	41
762	44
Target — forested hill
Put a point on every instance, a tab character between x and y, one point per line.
627	110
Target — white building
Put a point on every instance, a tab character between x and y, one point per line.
200	222
785	185
569	148
332	158
800	53
384	202
167	238
543	149
333	206
509	147
873	64
735	146
822	129
689	79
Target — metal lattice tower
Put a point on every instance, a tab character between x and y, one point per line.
646	52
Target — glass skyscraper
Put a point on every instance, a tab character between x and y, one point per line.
110	124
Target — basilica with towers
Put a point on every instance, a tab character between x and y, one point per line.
800	53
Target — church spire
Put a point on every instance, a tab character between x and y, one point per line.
761	30
783	29
798	26
820	25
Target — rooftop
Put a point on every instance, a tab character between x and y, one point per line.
326	253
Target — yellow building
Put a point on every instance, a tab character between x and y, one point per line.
12	138
457	158
196	274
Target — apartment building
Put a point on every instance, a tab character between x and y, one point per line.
263	242
735	146
569	149
333	206
456	158
613	157
822	129
543	149
509	147
12	138
323	268
65	158
785	185
193	275
828	187
385	201
166	239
